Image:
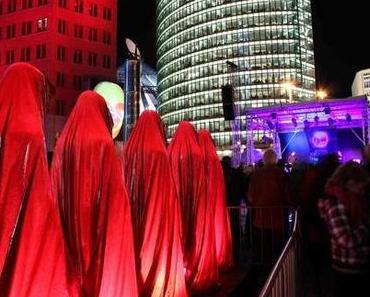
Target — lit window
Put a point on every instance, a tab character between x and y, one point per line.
107	13
10	57
42	24
79	6
26	54
40	51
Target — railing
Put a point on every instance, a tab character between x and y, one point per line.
260	233
283	280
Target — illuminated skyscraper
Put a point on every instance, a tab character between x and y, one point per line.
269	41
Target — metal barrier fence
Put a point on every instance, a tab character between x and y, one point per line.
284	278
260	233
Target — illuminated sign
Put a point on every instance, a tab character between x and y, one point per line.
320	139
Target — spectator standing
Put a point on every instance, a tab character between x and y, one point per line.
346	215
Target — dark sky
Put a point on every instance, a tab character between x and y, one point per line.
340	31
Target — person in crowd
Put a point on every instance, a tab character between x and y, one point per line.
33	259
216	189
88	184
366	158
346	214
155	210
197	208
269	193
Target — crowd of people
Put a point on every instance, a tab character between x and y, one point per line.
333	199
146	220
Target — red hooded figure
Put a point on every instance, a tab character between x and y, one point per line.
32	252
155	210
197	209
216	191
88	183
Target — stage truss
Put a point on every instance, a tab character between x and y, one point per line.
265	123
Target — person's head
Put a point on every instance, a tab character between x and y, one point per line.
270	157
350	177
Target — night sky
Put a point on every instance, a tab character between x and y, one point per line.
340	31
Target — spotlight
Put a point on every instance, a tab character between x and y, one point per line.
306	124
270	125
348	117
274	115
331	122
294	122
327	110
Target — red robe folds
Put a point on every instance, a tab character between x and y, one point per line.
216	189
197	209
32	253
89	186
155	210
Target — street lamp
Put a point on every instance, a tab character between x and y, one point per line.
321	94
288	86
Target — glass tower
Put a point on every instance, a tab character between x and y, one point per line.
268	42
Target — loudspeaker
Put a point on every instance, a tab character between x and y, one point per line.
228	102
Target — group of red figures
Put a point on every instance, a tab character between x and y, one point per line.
149	220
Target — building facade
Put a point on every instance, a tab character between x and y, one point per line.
73	42
268	42
361	83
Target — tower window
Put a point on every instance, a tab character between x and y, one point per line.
93	34
77	57
10	57
106	61
26	28
10	31
26	4
61	53
40	51
62	24
93	59
26	54
79	29
107	13
62	3
79	6
12	6
77	82
93	9
60	79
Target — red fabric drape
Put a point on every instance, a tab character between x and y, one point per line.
88	183
32	252
216	190
197	209
155	210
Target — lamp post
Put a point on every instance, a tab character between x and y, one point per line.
321	94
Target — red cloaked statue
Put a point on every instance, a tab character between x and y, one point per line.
155	210
216	189
88	183
32	252
197	209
